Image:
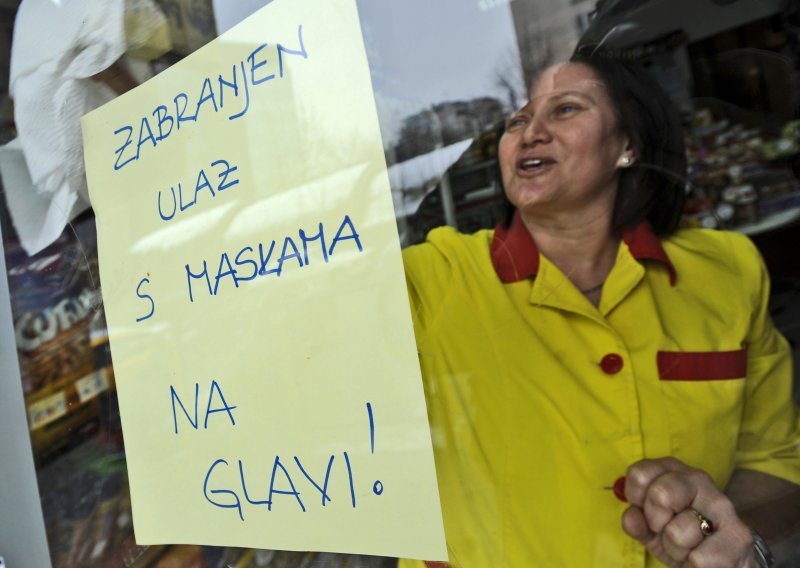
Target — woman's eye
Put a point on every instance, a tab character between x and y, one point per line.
516	122
565	109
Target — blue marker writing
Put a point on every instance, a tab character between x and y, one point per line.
377	487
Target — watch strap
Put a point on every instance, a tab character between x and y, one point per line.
763	555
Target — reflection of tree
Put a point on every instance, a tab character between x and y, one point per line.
508	76
444	124
516	70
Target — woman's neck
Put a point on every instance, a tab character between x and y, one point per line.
583	249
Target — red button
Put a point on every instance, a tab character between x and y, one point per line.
611	364
619	489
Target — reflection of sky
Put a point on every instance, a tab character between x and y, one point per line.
423	52
447	50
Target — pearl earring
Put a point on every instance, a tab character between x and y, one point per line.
626	161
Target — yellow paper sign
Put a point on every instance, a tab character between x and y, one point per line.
259	323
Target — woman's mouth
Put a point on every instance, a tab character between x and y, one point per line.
535	165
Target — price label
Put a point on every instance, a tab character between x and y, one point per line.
91	385
46	410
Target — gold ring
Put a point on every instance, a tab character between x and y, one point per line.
706	526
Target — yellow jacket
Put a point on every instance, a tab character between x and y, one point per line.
538	400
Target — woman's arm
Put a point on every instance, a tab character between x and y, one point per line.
771	506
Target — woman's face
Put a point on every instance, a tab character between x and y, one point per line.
561	151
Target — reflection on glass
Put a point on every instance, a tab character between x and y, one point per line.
445	75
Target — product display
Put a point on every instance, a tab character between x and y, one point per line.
739	176
56	310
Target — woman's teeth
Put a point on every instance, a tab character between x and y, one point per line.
532	164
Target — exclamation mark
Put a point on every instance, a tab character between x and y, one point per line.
377	487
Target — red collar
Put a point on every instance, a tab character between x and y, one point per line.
515	256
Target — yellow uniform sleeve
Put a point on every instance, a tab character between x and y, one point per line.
769	437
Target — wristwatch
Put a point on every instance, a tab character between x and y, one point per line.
764	557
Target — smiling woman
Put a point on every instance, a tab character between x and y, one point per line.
562	357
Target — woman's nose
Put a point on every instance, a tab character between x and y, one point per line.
536	131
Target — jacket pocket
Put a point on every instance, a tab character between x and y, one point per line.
704	395
701	365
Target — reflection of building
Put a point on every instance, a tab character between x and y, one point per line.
445	124
547	30
427	142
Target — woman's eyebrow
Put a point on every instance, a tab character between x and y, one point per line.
563	94
526	108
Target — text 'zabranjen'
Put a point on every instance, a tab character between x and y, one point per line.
255	69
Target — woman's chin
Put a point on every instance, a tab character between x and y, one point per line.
535	203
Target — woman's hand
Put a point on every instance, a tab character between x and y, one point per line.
668	501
